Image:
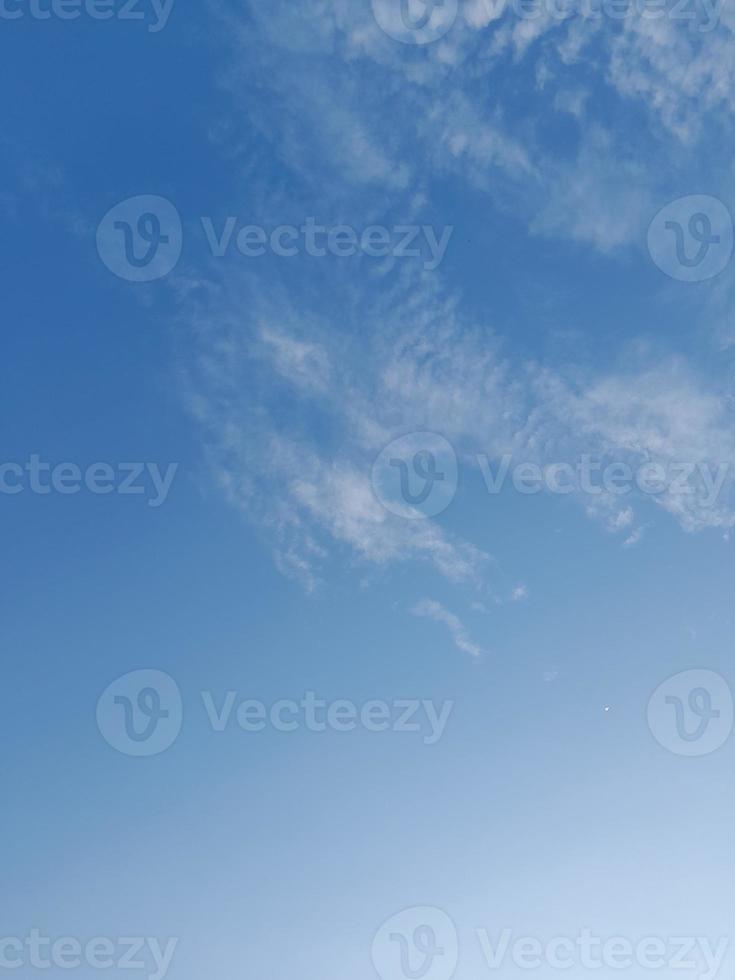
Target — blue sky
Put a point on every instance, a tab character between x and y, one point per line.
556	158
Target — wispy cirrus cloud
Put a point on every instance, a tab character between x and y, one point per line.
381	116
296	393
431	609
293	426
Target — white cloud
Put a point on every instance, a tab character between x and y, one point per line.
621	520
600	198
436	611
632	540
379	116
293	426
292	439
295	407
339	498
299	361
